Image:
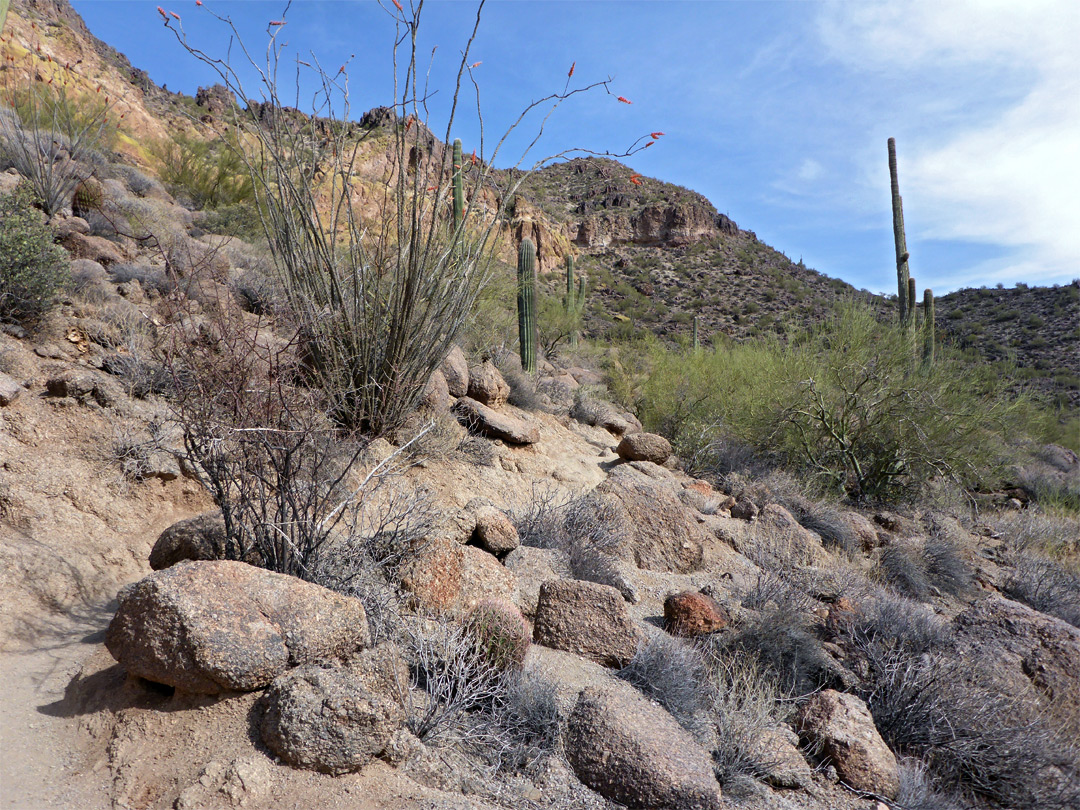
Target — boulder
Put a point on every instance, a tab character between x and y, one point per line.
455	369
782	764
487	386
325	719
486	421
648	524
435	398
690	614
198	538
534	566
9	389
631	751
95	248
1025	653
840	728
644	447
494	532
210	627
444	576
586	619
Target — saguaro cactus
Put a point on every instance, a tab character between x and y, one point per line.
573	305
526	303
911	303
902	272
928	327
697	336
459	193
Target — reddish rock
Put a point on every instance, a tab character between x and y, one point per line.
693	614
435	398
494	532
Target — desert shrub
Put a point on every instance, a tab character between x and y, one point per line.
917	791
259	293
208	173
33	269
672	672
56	127
523	388
1037	531
787	646
972	738
946	567
843	402
746	705
775	591
151	279
1045	585
141	377
885	622
902	567
239	219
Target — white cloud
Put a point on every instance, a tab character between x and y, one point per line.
1004	170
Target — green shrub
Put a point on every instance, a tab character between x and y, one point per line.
844	402
210	173
32	268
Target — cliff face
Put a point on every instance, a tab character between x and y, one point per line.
652	225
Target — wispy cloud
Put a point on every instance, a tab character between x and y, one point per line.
999	160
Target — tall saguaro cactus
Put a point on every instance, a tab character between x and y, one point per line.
526	302
928	326
697	336
907	306
911	303
459	193
573	305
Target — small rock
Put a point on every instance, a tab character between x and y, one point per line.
690	614
9	389
436	396
455	369
494	532
644	447
744	509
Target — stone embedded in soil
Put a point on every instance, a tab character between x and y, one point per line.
586	619
486	421
629	750
693	614
644	447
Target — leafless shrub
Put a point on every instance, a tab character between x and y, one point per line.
150	278
1045	585
540	519
972	738
885	622
589	408
133	448
1036	531
523	388
672	672
917	790
773	592
946	567
746	704
903	568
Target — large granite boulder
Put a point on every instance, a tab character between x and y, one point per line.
210	627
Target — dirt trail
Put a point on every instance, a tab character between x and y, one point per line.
45	761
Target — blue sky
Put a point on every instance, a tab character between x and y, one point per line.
778	112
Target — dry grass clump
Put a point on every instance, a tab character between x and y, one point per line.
672	672
1045	585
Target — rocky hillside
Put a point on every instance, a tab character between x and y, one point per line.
518	601
1038	328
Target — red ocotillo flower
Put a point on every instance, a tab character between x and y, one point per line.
625	100
650	143
277	22
655	135
174	14
198	2
635	179
571	73
161	11
475	65
473	157
408	123
397	5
